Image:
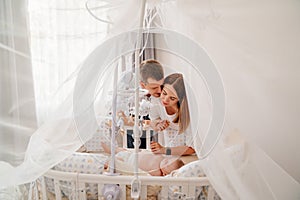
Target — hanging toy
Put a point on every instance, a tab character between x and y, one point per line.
135	188
111	192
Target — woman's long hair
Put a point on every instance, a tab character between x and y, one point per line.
183	114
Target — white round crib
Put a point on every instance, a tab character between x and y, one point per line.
80	177
84	180
151	187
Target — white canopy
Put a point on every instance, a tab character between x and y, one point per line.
239	60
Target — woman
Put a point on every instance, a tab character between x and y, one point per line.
171	117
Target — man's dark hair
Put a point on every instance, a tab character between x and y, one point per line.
151	69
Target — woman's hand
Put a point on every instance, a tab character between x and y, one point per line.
157	148
160	125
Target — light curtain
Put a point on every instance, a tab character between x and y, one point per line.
17	111
42	45
17	100
254	45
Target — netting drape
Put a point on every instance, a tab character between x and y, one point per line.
250	47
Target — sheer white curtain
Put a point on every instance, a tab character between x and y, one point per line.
255	47
17	110
33	83
62	34
17	101
41	46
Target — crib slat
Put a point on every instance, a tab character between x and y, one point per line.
36	191
81	191
43	185
144	192
57	190
184	189
192	191
30	192
73	191
100	187
123	191
164	191
210	195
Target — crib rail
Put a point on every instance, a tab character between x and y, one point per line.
78	182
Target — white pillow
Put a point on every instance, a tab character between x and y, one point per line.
87	163
101	135
192	169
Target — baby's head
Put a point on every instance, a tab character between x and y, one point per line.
168	164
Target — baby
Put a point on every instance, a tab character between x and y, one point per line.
154	164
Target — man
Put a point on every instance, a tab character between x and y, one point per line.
151	79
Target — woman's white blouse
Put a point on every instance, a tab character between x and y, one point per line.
171	136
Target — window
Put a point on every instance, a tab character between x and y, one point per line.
63	33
